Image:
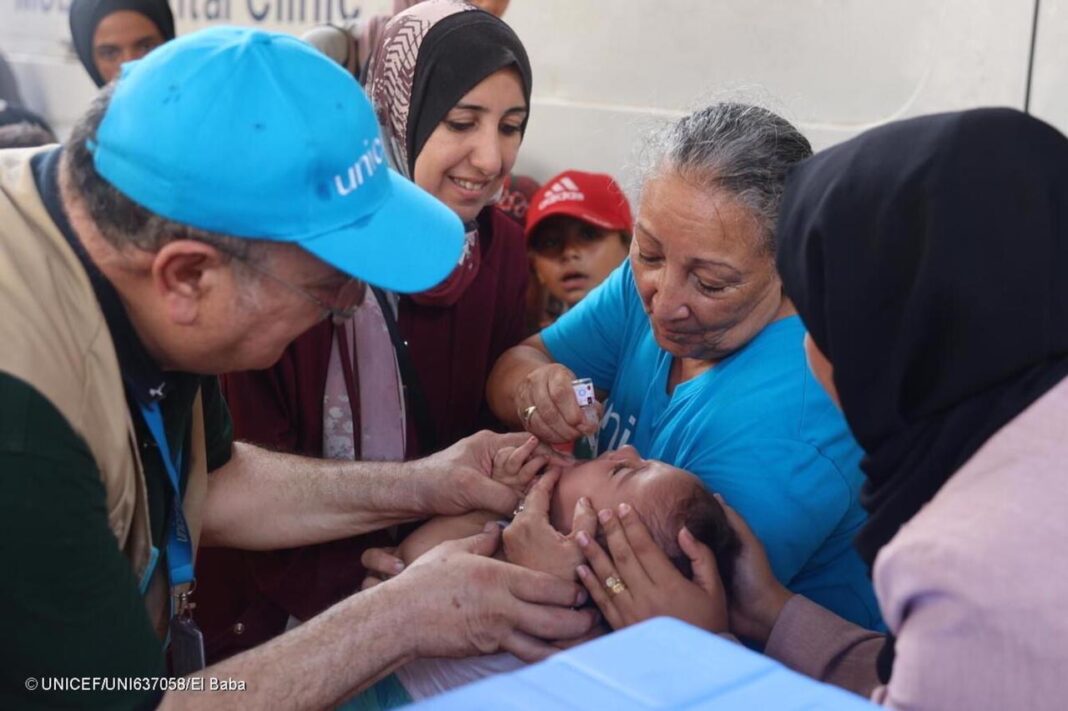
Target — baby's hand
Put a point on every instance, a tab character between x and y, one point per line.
516	467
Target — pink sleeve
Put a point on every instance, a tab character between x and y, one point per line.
815	642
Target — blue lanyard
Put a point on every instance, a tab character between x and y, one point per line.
179	545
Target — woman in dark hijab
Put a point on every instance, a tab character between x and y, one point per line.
928	260
936	285
107	33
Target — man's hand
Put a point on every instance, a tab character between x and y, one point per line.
532	542
460	603
457	480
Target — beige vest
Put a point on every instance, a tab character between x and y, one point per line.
54	338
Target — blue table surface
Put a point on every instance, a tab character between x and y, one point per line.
659	664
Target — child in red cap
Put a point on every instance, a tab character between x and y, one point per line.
578	230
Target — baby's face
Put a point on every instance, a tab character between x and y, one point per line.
653	488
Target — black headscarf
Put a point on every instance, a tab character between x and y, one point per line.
928	259
456	54
85	15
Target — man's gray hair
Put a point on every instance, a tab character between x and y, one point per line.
743	149
121	221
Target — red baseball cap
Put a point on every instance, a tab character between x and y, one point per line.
591	197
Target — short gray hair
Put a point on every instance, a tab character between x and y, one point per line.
743	149
121	221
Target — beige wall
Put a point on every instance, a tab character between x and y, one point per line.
605	70
1049	89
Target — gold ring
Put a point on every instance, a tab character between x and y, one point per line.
527	413
614	585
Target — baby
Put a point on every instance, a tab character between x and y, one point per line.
666	498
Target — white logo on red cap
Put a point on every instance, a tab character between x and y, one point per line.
562	190
362	169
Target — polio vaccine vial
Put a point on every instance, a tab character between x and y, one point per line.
586	447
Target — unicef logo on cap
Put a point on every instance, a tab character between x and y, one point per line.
362	169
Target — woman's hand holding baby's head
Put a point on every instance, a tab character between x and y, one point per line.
635	580
731	576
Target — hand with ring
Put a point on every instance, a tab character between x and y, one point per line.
530	539
614	585
462	602
635	580
527	413
546	405
460	478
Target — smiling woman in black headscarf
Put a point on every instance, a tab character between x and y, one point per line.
451	85
107	33
928	260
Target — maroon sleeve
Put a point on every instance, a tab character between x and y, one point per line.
245	598
509	326
281	408
454	347
258	407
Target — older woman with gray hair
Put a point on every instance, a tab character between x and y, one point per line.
697	353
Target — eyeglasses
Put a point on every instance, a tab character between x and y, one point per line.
351	292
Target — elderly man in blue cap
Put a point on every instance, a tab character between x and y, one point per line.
228	191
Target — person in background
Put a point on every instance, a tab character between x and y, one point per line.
107	33
516	196
927	259
578	230
493	7
351	44
454	124
22	128
9	85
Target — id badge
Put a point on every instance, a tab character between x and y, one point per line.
187	646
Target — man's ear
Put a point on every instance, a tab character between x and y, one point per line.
184	272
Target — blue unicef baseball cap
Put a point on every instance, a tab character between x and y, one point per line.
257	134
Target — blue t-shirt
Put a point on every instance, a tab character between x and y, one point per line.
756	428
